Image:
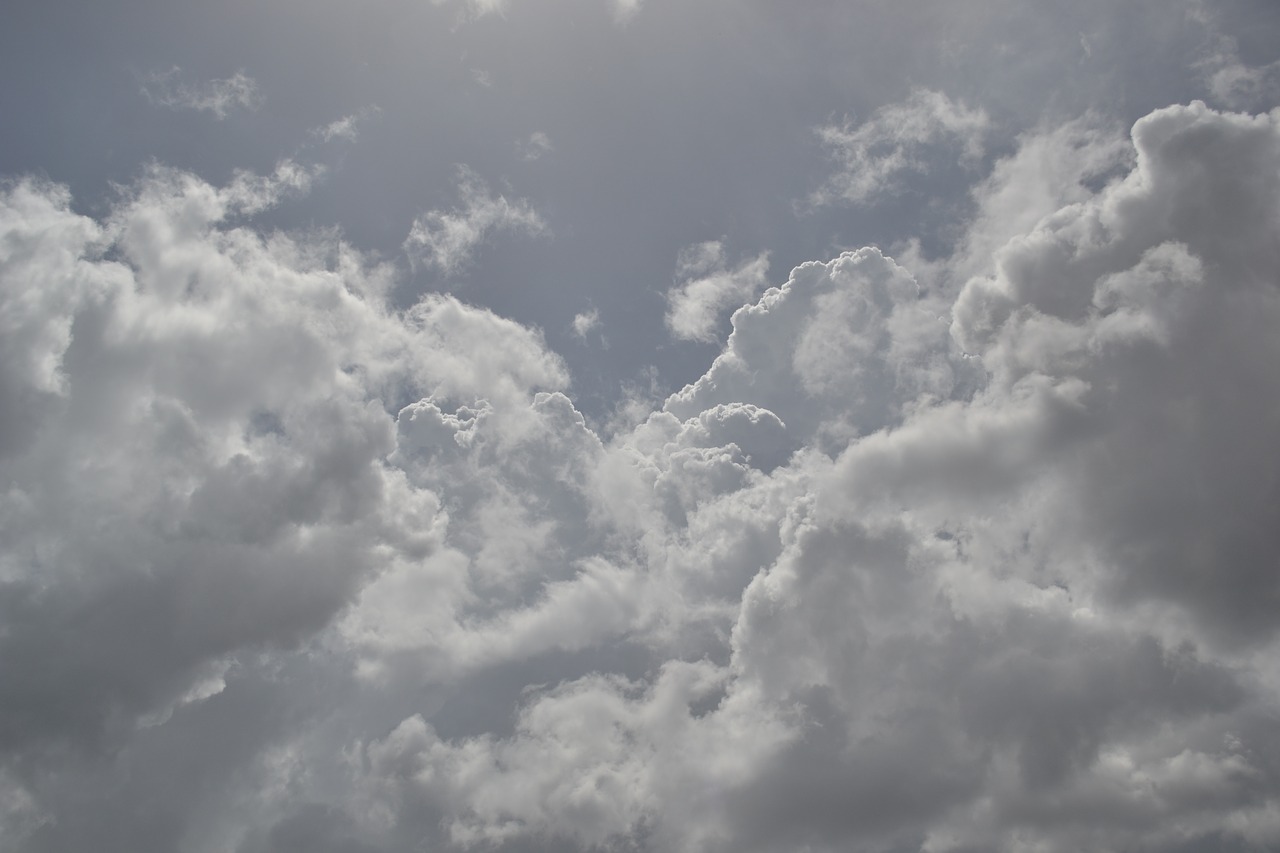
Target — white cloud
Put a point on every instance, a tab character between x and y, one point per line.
219	97
586	322
215	396
707	286
447	240
983	560
346	128
950	625
871	157
837	350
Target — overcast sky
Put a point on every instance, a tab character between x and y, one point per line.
640	425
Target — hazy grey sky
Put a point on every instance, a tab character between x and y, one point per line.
554	425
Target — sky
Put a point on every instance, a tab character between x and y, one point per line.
640	425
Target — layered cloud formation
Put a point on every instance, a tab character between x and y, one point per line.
970	553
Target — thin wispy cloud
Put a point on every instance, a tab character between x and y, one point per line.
706	285
219	97
448	239
625	10
586	322
871	156
538	145
1231	81
347	128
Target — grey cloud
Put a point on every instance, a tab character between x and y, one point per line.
1150	295
1229	79
976	559
538	145
836	348
1235	84
197	485
951	671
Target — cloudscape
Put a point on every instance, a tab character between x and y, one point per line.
640	425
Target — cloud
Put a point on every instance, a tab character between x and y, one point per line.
623	10
839	347
1229	80
953	626
536	146
477	8
244	374
219	97
898	139
346	128
707	287
586	322
981	558
1234	83
447	240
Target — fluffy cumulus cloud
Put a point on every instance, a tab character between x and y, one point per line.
446	240
978	557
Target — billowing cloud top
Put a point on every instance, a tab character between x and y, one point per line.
615	425
979	557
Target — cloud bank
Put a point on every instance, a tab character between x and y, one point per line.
981	558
